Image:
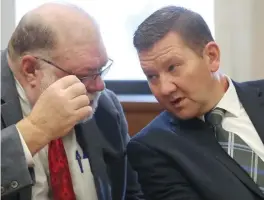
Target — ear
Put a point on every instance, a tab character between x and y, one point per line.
212	54
29	68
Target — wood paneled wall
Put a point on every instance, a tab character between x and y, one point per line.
139	114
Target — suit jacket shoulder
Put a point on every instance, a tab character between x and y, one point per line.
162	121
257	85
110	108
15	174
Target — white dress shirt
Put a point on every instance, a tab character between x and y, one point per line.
83	182
237	121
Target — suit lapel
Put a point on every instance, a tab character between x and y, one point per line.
10	107
252	100
104	148
90	139
108	119
203	135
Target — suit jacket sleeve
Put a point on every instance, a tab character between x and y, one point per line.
133	189
158	178
15	173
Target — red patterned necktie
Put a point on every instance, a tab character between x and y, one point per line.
60	177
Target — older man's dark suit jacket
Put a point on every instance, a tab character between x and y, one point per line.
181	160
103	139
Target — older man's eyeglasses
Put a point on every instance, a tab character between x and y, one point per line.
103	71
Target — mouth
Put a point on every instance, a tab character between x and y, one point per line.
177	102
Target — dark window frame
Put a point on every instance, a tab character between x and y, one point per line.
128	87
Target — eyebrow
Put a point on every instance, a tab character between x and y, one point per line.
147	70
171	60
90	71
94	68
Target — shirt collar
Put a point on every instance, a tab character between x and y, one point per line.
24	103
230	101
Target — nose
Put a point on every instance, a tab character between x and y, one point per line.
95	85
167	86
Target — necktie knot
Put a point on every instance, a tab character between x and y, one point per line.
215	117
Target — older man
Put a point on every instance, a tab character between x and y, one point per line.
63	134
208	145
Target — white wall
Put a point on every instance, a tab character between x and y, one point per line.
7	21
239	30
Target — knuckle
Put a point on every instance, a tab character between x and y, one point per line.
82	87
90	110
85	99
68	78
87	111
75	79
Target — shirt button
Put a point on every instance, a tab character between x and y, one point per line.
14	184
2	189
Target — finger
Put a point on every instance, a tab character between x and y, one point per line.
67	81
84	112
80	101
75	90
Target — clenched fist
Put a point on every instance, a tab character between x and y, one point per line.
63	104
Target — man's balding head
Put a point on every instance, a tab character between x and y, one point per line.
50	26
53	41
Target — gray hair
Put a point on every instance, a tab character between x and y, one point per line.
190	26
31	34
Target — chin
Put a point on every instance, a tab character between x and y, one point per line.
185	114
94	107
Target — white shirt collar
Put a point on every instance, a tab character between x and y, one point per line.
230	101
25	105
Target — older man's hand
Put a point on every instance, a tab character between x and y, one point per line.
58	109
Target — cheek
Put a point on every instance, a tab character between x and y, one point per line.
193	77
153	88
46	81
157	93
196	87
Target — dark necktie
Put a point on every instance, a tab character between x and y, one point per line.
237	148
60	177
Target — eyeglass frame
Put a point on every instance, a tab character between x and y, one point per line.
82	79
